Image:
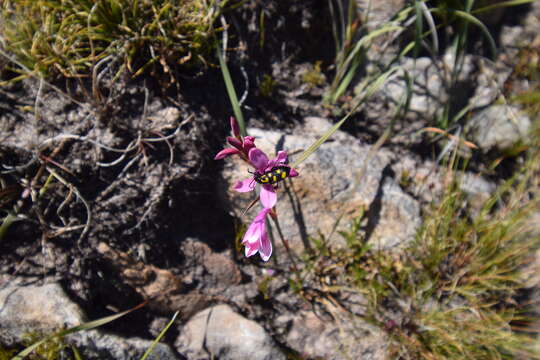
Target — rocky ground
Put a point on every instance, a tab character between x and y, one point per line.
121	200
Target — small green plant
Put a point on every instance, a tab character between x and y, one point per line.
264	286
405	179
267	86
7	354
528	67
49	350
314	76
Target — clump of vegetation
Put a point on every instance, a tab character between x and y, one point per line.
52	349
49	350
6	354
69	37
314	76
528	67
453	293
267	86
462	277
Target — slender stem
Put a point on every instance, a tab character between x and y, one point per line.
287	248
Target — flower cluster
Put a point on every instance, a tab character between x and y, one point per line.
256	238
240	145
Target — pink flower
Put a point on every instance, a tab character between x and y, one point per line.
262	165
240	146
256	239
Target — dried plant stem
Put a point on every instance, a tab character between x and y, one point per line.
72	188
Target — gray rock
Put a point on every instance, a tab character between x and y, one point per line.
35	308
349	338
335	182
428	181
47	309
428	90
219	332
489	78
499	127
525	33
378	13
477	188
434	84
396	209
98	345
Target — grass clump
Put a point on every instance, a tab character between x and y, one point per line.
49	350
53	349
71	37
463	278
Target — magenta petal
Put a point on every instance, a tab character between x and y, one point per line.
293	172
226	152
256	228
268	196
258	158
281	157
256	239
249	143
265	249
252	235
251	250
261	216
244	185
234	142
234	127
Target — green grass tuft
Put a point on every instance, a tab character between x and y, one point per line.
70	37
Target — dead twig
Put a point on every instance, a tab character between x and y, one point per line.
72	187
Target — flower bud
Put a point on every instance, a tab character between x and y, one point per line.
235	128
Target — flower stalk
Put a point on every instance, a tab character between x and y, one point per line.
285	244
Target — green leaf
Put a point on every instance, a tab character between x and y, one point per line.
419	25
468	17
346	68
161	334
321	141
231	92
83	327
502	4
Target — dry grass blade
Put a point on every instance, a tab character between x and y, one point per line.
450	136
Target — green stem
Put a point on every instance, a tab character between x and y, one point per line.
287	248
